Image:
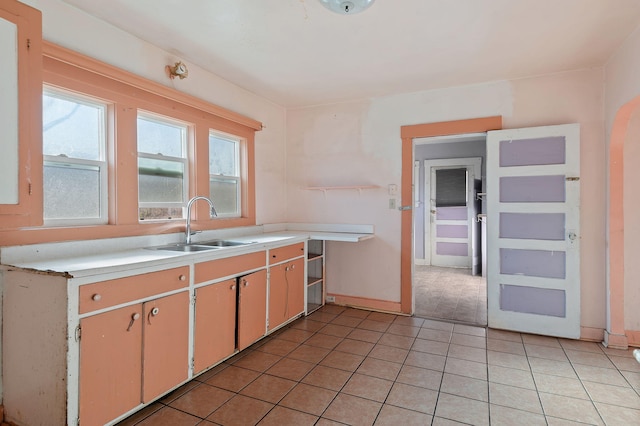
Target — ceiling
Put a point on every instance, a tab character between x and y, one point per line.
297	53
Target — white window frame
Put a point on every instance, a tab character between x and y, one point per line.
163	119
64	161
237	178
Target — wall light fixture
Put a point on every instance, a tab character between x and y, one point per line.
346	7
178	70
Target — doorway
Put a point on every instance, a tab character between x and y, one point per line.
447	275
533	229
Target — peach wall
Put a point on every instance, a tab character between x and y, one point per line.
631	225
76	30
359	143
622	110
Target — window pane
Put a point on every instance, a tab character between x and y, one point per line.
160	181
223	155
71	192
451	187
157	137
224	194
72	128
160	213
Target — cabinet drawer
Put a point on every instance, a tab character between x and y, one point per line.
235	265
287	252
113	292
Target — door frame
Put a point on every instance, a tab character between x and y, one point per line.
408	134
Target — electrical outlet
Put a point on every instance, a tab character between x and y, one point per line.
392	203
330	299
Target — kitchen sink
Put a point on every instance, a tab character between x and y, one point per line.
222	243
202	246
185	247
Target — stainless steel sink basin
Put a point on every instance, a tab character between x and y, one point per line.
185	247
222	243
202	246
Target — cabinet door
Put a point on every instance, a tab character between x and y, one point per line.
252	308
110	364
286	292
215	323
295	276
165	344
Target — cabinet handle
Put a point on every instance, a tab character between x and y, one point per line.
293	266
96	297
182	277
155	311
233	287
134	317
245	283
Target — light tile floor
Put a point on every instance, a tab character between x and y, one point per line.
348	366
450	294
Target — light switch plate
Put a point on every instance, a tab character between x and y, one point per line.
393	189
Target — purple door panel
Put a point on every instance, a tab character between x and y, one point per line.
452	249
532	152
532	226
533	263
532	189
533	300
452	231
451	213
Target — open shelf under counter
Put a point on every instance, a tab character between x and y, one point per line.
314	256
313	281
315	290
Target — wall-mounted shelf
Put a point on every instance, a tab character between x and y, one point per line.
358	188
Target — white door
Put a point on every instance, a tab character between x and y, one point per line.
533	227
451	210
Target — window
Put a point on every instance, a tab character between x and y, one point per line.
121	155
224	174
75	169
162	167
451	187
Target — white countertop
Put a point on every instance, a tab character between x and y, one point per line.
86	258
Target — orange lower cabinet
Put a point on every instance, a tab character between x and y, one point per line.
110	364
215	324
286	292
165	344
252	308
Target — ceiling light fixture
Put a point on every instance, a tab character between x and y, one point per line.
346	7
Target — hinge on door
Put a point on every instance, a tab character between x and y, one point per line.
193	364
28	43
193	299
78	333
30	189
78	421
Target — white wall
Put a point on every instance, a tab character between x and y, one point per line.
359	143
78	31
622	84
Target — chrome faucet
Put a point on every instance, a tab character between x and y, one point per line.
189	204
